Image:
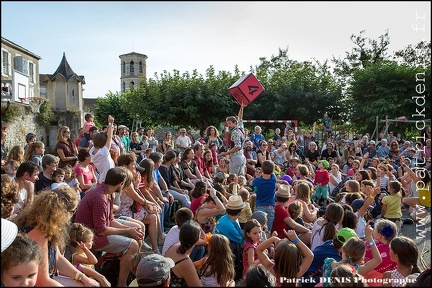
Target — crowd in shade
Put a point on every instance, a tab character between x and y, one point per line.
235	209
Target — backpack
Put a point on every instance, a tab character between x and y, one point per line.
341	184
109	266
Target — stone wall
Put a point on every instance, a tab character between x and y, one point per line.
18	129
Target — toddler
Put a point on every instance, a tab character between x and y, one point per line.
88	123
246	212
58	176
70	178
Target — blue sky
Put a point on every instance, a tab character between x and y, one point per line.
194	35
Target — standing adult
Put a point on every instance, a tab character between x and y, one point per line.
65	148
80	136
85	143
212	136
96	212
124	138
237	164
182	141
257	137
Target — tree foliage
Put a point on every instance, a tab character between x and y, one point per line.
366	83
387	89
113	105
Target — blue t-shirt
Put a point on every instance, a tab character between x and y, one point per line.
320	252
231	229
265	190
256	138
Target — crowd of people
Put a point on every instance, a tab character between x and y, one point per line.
239	209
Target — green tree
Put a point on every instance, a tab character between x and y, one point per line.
184	99
112	104
387	88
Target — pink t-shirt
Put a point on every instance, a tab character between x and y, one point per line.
88	125
387	264
88	176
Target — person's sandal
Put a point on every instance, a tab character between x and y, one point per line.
407	221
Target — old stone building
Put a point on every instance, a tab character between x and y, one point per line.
133	69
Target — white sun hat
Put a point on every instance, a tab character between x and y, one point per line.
9	231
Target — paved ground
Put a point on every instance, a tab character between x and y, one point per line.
420	232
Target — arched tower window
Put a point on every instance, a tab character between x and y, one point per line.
132	85
124	67
140	67
124	87
132	68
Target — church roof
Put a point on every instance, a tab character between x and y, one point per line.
66	71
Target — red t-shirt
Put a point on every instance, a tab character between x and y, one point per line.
195	203
278	223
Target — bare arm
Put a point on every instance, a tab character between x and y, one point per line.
263	257
376	256
110	130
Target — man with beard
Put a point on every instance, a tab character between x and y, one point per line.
95	211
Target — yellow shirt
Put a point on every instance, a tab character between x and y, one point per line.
393	206
245	214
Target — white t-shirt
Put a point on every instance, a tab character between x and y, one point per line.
102	161
338	178
183	141
57	185
171	238
361	224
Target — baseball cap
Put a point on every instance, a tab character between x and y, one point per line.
345	234
122	127
357	204
372	142
260	216
153	270
9	231
325	162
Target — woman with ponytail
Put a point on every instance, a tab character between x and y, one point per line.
184	272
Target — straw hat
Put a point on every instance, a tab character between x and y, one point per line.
283	191
235	202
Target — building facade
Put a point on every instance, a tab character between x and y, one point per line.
133	69
19	74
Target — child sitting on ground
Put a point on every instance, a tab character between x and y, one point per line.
81	241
